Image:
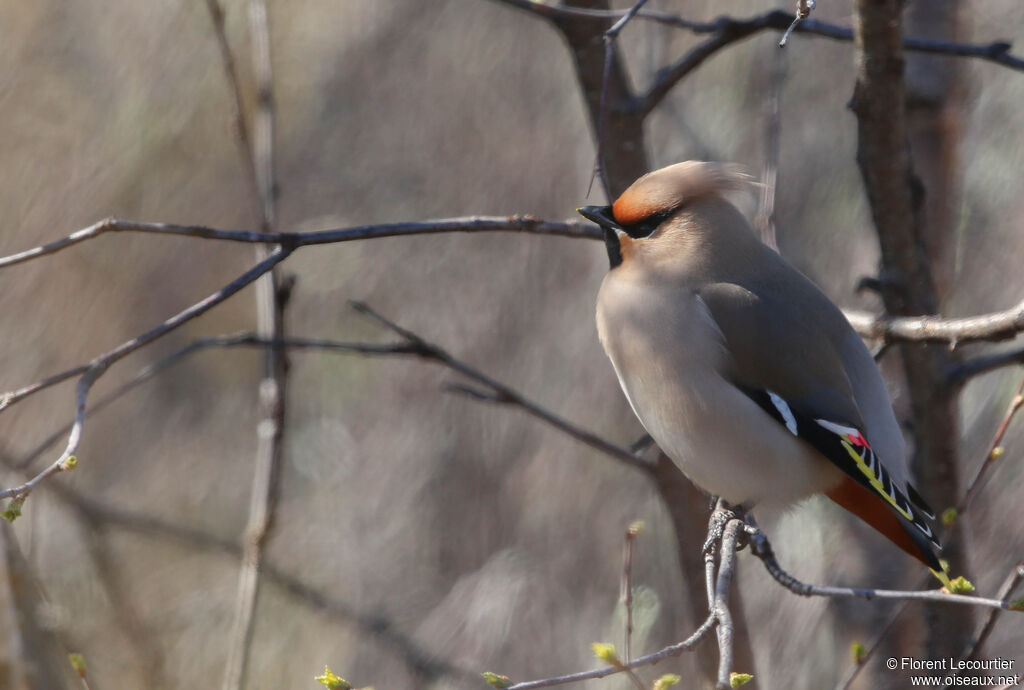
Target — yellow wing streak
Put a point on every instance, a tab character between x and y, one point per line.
876	484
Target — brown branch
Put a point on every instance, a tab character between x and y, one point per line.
803	11
965	502
728	30
896	198
471	224
998	325
763	550
726	568
96	368
984	364
270	307
1015	577
997	52
724	530
609	38
994	449
662	654
412	345
626	589
501	393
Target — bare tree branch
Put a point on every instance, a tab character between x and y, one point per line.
270	307
1015	577
726	567
965	502
984	364
662	654
763	550
412	345
994	451
936	329
514	223
728	30
896	198
503	394
994	326
98	366
803	11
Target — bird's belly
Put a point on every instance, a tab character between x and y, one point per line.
672	370
729	447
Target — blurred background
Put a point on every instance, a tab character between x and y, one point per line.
449	537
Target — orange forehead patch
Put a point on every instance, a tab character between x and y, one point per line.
631	208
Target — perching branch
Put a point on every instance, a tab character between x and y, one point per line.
1015	577
994	326
991	454
763	550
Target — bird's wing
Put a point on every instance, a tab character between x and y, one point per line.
788	362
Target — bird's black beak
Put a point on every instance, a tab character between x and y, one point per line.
602	215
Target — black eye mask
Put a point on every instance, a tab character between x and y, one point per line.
647	226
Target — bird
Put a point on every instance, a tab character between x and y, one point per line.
739	367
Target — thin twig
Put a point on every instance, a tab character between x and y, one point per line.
497	393
233	340
626	593
997	52
803	11
861	663
726	567
98	366
505	395
1015	577
994	326
609	39
984	364
962	506
270	307
514	223
762	549
662	654
727	30
994	449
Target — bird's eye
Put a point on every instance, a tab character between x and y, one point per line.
647	226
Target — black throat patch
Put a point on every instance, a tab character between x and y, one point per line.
611	243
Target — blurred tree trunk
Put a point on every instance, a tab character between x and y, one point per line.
914	242
30	657
934	98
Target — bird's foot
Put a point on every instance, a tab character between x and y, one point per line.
720	517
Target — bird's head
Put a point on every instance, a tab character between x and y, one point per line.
643	213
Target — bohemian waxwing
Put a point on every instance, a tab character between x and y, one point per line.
739	367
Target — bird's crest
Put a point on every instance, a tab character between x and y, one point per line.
669	189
